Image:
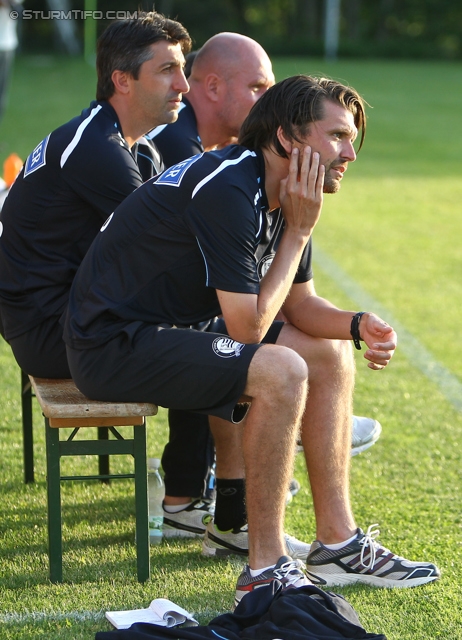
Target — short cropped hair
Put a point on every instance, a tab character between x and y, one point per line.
125	45
189	62
293	104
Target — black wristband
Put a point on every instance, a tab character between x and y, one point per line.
354	329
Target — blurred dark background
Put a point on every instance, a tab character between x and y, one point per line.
425	29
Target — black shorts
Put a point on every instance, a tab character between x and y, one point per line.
41	351
203	371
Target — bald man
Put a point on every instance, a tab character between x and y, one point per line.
230	72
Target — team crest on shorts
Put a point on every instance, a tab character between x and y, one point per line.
265	264
227	347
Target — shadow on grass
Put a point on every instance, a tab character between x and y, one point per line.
79	568
23	526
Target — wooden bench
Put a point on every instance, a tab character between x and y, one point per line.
28	434
64	406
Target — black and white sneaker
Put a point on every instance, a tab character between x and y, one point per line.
190	522
236	542
364	560
289	572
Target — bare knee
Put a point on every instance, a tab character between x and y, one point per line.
325	358
277	372
338	355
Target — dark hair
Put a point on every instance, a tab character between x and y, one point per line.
293	104
189	62
125	45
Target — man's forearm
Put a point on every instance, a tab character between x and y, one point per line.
317	317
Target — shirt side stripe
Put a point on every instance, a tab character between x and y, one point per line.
205	263
223	165
78	134
260	224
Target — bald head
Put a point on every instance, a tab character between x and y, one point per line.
228	75
227	53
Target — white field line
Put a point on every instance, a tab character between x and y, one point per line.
29	617
417	354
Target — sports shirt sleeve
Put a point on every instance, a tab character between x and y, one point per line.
226	225
101	174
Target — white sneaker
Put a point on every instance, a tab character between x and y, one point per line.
365	433
218	543
190	522
366	561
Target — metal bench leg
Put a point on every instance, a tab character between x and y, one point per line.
141	503
27	432
55	542
103	460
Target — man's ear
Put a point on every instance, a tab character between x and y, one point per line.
212	86
122	81
287	144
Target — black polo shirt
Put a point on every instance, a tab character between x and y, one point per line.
68	186
201	225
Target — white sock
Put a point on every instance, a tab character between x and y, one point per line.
339	545
174	508
256	572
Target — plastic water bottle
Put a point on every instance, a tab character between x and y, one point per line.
210	484
156	493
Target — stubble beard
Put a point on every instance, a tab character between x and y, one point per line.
331	185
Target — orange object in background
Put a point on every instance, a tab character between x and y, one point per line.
11	168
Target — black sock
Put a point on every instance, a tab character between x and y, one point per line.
230	511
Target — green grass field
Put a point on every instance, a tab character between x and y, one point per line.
395	229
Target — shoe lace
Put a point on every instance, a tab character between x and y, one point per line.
368	542
289	572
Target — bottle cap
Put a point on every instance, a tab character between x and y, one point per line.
153	463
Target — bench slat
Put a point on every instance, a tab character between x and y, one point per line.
60	399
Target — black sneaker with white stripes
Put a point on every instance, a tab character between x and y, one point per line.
364	560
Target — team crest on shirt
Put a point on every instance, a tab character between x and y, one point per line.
174	175
227	347
265	264
37	158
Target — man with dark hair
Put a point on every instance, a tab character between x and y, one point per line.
228	75
76	177
228	233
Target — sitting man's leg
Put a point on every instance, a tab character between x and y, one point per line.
209	373
227	532
186	461
277	387
342	553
